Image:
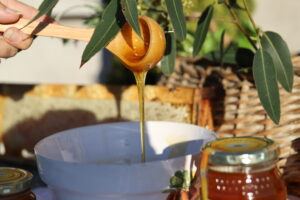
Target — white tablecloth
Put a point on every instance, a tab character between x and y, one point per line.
45	194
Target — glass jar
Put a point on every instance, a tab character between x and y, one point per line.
15	184
241	168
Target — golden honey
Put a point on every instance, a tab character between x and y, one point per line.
241	168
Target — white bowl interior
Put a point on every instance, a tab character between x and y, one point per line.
97	159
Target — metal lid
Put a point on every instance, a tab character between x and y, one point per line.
245	151
13	180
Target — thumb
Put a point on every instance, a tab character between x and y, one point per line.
7	15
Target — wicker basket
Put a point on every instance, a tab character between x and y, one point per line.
237	110
244	115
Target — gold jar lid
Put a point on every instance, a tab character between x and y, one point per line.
242	151
13	180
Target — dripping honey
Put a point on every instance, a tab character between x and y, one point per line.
140	82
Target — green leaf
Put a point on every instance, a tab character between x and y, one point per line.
233	55
179	174
234	4
266	83
130	11
222	47
108	27
279	51
176	182
175	10
45	8
187	180
202	29
168	62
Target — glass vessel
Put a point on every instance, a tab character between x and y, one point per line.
15	184
241	168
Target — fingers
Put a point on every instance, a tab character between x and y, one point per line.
7	15
17	38
27	11
13	39
7	50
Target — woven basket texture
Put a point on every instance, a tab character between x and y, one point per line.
237	110
235	104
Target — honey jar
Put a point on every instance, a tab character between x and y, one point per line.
241	168
15	184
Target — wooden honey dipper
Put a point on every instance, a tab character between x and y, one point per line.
136	53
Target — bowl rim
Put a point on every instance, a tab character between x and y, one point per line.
208	137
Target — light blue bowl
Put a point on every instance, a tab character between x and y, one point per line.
103	161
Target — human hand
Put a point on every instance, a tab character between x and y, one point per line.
13	40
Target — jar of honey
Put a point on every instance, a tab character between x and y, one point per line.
15	184
241	168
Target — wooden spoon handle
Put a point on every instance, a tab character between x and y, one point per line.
51	30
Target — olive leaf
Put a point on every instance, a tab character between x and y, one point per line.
44	9
108	27
234	4
187	180
278	50
232	55
181	180
130	11
222	47
175	10
202	29
231	3
176	182
168	61
266	83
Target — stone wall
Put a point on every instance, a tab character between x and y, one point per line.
30	113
